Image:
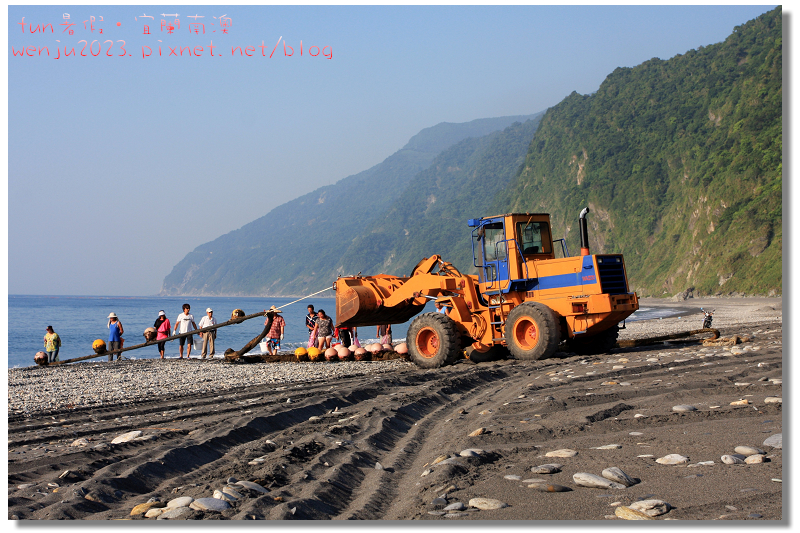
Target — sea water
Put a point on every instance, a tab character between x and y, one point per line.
80	320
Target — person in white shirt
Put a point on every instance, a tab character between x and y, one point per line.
182	326
208	336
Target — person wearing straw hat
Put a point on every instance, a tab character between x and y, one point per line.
208	336
275	335
115	332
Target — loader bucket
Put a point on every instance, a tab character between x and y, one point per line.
359	302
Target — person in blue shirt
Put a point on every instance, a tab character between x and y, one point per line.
115	332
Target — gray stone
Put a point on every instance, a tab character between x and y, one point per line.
651	507
486	504
219	495
584	479
155	512
209	504
126	437
471	452
455	515
551	468
232	492
684	408
549	487
183	501
673	459
436	513
608	447
231	480
773	399
181	513
565	452
732	459
749	450
618	476
255	487
457	506
512	477
439	502
775	441
26	486
754	459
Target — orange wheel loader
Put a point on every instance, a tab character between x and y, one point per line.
524	300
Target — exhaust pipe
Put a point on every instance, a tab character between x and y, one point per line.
584	232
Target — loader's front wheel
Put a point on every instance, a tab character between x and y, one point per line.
433	340
532	331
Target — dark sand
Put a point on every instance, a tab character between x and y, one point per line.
325	468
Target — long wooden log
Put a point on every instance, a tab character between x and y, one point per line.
250	345
178	336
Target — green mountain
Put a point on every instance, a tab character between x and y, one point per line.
680	163
297	247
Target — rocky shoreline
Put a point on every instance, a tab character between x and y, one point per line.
672	431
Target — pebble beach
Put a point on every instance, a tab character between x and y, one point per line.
408	443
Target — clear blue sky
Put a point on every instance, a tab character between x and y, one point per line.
119	166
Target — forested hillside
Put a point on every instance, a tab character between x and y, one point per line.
297	247
680	163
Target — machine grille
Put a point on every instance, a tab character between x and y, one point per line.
611	270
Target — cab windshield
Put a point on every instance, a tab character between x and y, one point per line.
534	237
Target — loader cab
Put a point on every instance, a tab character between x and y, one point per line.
504	248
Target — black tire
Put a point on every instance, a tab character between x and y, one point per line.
433	340
532	332
494	353
603	342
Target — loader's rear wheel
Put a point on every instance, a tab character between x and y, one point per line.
532	331
433	340
603	342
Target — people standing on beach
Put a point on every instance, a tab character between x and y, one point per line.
115	332
162	326
208	336
323	330
52	343
385	333
275	335
182	323
311	320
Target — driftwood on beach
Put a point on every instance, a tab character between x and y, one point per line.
231	322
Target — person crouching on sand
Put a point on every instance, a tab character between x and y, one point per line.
323	330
